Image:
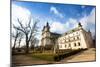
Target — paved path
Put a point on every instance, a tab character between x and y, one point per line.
88	55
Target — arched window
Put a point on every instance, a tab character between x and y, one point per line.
79	44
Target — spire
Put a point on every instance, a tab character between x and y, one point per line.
46	27
47	24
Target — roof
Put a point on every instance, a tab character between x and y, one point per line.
56	35
75	29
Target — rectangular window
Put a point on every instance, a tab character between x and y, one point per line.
69	45
65	46
78	43
75	44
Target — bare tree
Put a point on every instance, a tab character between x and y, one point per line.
15	35
33	42
28	30
20	39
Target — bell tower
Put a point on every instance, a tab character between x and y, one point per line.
46	35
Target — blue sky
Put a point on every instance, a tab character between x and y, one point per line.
61	17
43	9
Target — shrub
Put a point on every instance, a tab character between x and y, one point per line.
66	54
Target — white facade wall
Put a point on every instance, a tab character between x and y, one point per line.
78	39
83	39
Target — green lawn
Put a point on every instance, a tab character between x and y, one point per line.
44	56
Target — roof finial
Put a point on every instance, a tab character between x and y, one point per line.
47	24
89	31
79	24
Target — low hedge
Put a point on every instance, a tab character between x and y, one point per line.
55	57
66	54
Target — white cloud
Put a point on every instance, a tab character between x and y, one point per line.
57	27
71	23
83	20
20	12
56	12
82	6
90	19
88	22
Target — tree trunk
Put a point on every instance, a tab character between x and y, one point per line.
19	42
14	44
27	47
19	45
27	44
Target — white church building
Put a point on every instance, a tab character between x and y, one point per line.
76	38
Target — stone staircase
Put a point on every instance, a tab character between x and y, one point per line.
87	55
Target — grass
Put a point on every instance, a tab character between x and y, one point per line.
44	56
